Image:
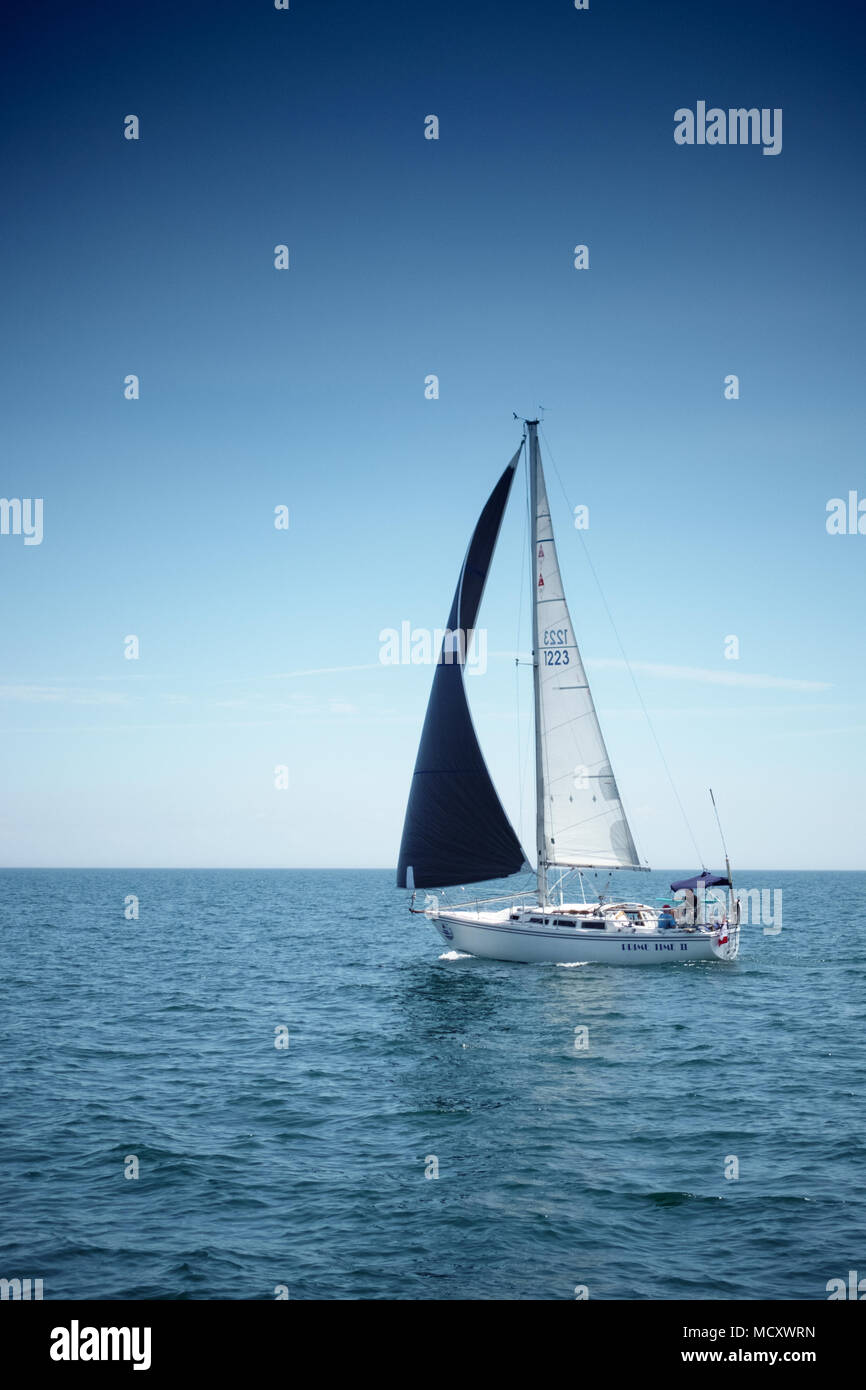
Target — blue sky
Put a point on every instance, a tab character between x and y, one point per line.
306	388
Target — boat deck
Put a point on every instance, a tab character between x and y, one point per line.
611	917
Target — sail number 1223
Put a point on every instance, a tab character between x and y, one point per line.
556	653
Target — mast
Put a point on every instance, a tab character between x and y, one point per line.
735	906
532	426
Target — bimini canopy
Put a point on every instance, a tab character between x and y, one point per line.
703	880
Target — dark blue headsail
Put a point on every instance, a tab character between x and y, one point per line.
456	830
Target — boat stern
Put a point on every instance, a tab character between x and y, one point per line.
726	943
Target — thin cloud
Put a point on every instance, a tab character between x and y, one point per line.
325	671
822	733
213	679
44	694
708	676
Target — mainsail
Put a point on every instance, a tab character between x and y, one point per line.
581	821
456	830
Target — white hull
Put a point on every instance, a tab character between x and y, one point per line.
511	936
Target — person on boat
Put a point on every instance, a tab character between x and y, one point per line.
667	918
689	909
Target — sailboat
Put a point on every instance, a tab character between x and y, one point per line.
457	832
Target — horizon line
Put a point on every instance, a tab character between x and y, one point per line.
331	869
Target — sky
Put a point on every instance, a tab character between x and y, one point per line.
259	648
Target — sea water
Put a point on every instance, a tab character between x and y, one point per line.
278	1083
